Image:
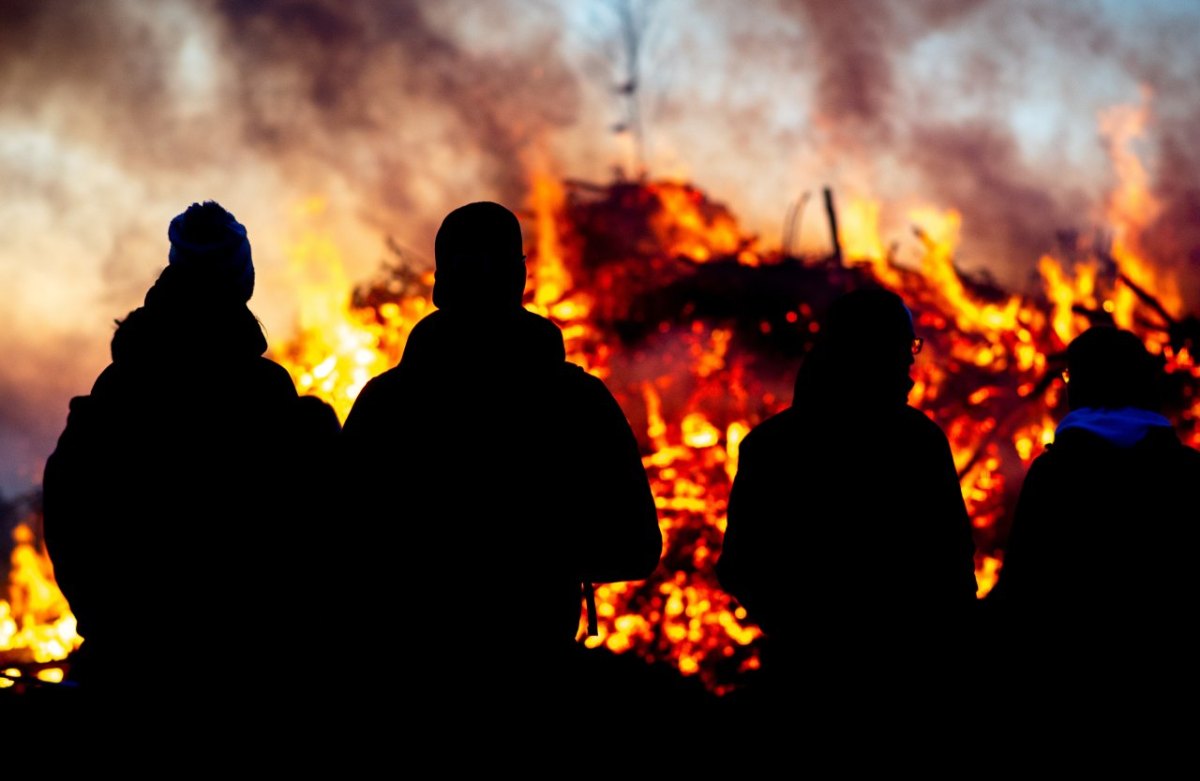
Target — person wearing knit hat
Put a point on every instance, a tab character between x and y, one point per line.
185	484
206	240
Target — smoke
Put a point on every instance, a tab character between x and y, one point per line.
371	120
853	62
374	90
1013	218
1168	64
116	115
1173	239
993	109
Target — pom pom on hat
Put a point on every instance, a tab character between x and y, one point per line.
207	240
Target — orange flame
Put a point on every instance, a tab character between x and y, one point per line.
1131	208
690	449
939	231
690	226
1065	296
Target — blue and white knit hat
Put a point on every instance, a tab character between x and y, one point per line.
207	239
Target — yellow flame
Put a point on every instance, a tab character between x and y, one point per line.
339	347
858	232
35	622
698	432
987	572
1065	295
734	435
549	278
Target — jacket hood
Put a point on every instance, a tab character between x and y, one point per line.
220	331
1124	427
516	338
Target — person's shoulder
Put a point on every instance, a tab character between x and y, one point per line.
920	424
110	379
543	326
274	376
573	372
318	415
543	336
427	325
575	380
424	335
374	392
377	399
781	425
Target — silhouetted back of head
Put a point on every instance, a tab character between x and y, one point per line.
209	259
864	349
479	253
1110	368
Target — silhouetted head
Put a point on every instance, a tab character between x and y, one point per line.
199	300
1110	368
479	254
863	351
210	252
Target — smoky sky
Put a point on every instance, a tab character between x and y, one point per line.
367	70
115	114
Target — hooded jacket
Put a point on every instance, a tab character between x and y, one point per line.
848	524
179	500
493	477
1100	550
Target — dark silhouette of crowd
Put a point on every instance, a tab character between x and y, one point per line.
189	508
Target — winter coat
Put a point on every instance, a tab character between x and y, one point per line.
182	503
493	478
848	541
1099	563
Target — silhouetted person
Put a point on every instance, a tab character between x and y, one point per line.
1095	596
495	478
848	541
182	498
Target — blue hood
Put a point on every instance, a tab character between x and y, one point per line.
1123	427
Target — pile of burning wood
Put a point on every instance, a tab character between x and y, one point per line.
699	332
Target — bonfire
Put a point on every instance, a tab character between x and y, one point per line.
698	331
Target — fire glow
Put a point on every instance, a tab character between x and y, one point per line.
694	328
36	623
694	386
